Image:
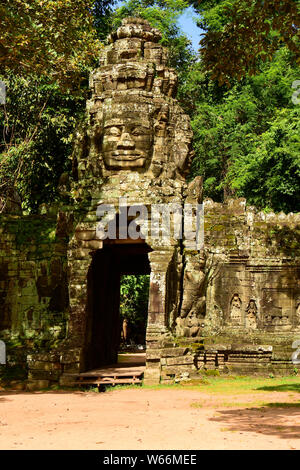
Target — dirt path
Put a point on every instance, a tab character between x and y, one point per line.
146	419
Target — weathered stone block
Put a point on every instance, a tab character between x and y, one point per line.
71	356
37	385
179	360
174	352
38	374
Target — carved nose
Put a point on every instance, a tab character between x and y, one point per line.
126	141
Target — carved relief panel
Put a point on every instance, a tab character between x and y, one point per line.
251	315
278	309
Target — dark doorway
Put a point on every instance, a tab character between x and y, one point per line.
103	334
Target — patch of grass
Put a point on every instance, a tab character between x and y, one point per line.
196	383
110	388
196	404
229	386
258	404
244	384
252	404
212	373
93	389
176	385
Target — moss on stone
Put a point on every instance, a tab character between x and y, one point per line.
197	347
211	372
287	240
36	230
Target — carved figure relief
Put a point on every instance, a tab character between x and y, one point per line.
277	308
285	321
189	326
251	315
219	315
236	310
180	326
278	321
193	324
193	302
298	313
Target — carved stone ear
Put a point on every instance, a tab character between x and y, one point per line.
194	191
160	118
156	168
163	115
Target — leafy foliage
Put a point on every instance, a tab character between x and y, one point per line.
247	138
242	33
43	104
134	293
51	38
102	12
47	49
269	174
37	126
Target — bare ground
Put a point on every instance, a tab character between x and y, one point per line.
148	419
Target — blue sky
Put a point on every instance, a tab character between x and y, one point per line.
187	25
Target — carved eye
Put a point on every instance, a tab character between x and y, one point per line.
139	131
113	131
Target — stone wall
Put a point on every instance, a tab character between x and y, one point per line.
252	287
33	286
253	266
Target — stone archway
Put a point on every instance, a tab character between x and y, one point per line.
102	338
94	286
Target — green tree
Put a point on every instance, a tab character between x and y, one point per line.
37	127
47	49
247	138
269	173
45	63
103	14
239	34
52	38
134	294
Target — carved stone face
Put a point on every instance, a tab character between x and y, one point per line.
191	319
127	143
252	306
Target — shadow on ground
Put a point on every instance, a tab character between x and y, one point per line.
2	399
292	387
11	392
273	420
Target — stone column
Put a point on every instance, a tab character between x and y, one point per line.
80	251
160	261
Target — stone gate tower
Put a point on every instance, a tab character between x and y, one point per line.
137	145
